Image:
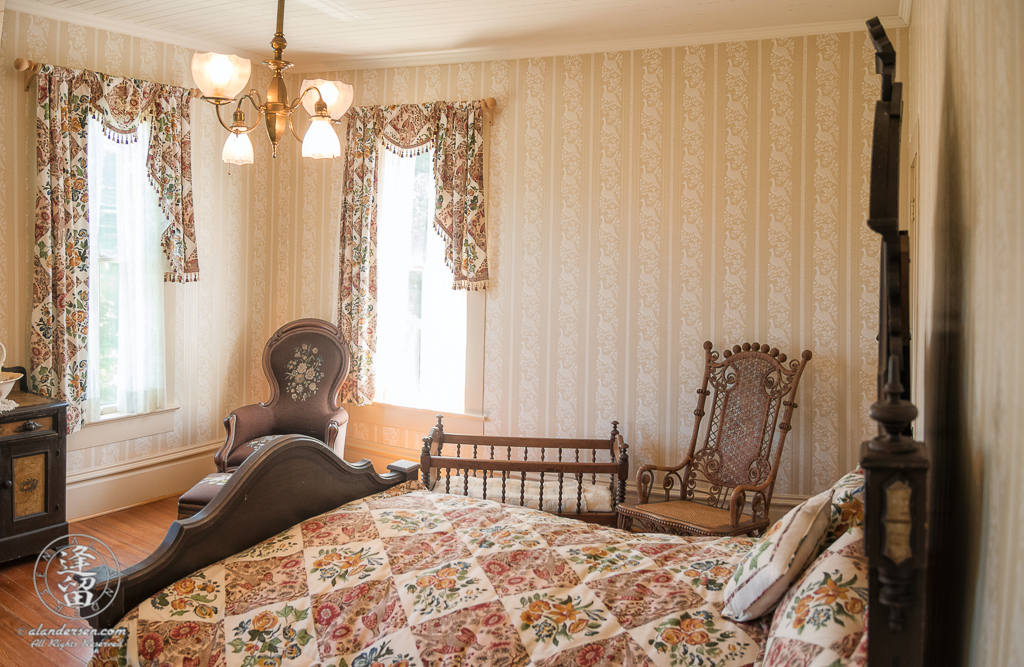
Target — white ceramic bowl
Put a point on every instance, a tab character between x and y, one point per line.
7	382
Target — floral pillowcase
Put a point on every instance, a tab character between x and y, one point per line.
768	569
823	618
847	505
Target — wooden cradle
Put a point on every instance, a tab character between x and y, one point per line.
503	460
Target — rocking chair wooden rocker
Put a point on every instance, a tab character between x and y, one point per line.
751	384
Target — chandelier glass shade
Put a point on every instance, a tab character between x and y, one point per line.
321	141
336	95
221	78
237	149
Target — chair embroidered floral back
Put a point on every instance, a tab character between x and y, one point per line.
305	363
751	386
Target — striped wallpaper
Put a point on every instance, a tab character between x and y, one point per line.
247	231
965	101
640	203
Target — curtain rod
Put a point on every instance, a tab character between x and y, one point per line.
30	68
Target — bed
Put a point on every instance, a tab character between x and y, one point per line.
409	576
304	559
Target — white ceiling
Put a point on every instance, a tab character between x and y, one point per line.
341	34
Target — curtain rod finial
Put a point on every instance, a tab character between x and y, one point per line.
30	69
489	105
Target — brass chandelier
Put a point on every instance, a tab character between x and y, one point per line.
222	77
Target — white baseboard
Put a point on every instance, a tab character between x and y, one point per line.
113	487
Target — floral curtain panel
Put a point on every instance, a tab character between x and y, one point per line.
60	302
455	131
357	308
459	176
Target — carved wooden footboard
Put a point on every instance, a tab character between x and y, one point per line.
547	464
275	488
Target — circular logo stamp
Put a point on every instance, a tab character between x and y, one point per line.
67	573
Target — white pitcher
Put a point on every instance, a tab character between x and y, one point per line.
3	355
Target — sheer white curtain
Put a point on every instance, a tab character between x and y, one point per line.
141	375
420	318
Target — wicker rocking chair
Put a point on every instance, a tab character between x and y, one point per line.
751	384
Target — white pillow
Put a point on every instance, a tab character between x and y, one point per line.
773	564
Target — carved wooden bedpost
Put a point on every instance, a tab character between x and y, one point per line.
436	435
622	451
896	467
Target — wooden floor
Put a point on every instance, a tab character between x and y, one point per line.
132	534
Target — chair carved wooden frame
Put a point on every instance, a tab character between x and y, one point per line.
752	386
298	401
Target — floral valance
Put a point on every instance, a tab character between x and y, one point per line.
454	130
121	103
406	129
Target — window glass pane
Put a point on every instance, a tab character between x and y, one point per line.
107	233
421	325
106	283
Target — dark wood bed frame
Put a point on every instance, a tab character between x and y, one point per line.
480	455
895	465
277	487
297	477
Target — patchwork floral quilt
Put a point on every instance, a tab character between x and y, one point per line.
408	578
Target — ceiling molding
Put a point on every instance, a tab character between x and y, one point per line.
453	56
906	6
594	46
59	13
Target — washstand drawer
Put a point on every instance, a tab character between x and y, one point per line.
34	425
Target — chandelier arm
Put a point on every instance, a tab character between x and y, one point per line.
259	113
257	101
222	123
291	126
298	100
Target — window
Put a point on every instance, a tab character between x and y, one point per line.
126	304
421	320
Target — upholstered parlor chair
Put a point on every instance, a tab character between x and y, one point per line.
305	362
753	391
